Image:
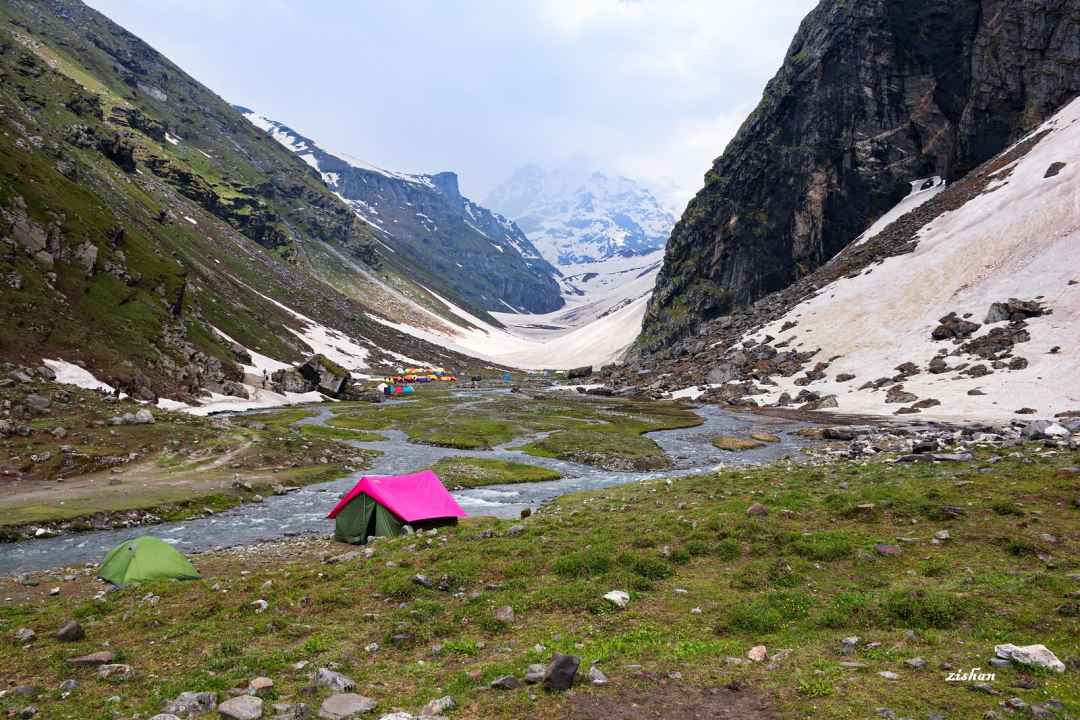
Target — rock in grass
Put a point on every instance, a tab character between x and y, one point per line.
734	444
243	707
260	685
334	680
756	510
24	635
889	675
506	682
504	614
439	706
560	672
618	598
597	677
116	672
191	704
345	705
887	550
71	631
1038	655
99	658
758	653
535	673
165	716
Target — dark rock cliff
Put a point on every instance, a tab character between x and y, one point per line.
872	94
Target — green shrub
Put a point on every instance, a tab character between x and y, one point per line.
927	609
769	613
588	563
824	546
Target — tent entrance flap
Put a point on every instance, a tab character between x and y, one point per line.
364	518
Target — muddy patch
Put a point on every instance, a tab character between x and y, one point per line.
672	701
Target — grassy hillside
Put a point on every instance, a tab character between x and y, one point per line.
706	582
138	210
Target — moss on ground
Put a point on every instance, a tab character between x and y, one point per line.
735	444
706	583
476	472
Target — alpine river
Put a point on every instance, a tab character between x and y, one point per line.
304	511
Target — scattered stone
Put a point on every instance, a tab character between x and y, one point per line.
597	677
71	631
103	657
514	530
758	653
506	682
916	663
561	672
243	707
24	635
116	672
504	614
756	510
260	686
337	682
1054	170
887	550
1038	655
191	704
439	706
165	716
344	706
535	673
889	675
260	606
618	598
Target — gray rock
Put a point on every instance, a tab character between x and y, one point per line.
504	614
506	682
439	706
86	257
343	706
37	403
24	635
243	707
535	673
1038	655
165	716
191	704
515	530
71	631
116	672
561	671
597	677
337	682
68	686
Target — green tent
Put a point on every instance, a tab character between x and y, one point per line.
145	558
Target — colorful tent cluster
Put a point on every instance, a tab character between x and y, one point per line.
381	506
396	389
409	376
143	559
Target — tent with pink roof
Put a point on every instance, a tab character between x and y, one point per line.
382	505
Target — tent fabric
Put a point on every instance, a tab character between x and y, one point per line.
363	518
415	497
143	559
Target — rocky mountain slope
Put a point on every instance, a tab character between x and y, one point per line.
963	302
464	250
871	96
577	218
156	238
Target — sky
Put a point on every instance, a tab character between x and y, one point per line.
651	89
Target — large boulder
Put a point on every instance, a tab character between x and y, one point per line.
327	376
579	372
291	381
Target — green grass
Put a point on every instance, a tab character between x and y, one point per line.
799	580
476	472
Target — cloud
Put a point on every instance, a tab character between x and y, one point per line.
650	88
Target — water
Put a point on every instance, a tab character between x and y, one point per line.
304	511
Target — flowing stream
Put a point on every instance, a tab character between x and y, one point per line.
304	511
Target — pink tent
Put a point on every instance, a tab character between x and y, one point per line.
412	498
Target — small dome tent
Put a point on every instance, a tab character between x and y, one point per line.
382	506
145	558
